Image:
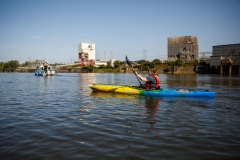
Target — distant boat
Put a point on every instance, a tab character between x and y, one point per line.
44	69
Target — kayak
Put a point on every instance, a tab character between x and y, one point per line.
148	92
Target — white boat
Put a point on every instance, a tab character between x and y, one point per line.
44	69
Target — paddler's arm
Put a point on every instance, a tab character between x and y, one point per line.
141	78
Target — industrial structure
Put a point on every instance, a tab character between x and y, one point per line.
183	47
86	54
226	58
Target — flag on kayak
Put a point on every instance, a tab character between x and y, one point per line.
128	62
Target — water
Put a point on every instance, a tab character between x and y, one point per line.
60	118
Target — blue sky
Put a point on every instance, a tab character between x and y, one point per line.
35	29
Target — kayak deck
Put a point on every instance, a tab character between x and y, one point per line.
147	92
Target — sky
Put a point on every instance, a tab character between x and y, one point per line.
40	29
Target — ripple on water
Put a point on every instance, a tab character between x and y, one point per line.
48	118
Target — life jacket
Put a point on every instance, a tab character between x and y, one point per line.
157	84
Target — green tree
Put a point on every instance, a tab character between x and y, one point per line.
2	64
91	68
116	64
11	66
143	65
179	62
102	66
25	64
143	62
170	63
156	61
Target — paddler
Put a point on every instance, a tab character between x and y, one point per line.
152	81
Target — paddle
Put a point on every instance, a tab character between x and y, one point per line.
130	64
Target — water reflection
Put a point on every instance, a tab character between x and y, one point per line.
141	114
114	97
175	80
226	80
87	78
62	110
152	105
44	83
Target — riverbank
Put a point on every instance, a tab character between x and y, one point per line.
160	69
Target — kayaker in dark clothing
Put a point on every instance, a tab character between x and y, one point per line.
152	81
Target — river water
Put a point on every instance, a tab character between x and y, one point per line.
60	118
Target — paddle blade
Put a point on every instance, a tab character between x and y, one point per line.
128	62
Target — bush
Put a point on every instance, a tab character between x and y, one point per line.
178	62
156	61
117	64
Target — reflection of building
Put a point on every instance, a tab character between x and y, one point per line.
86	54
226	58
184	47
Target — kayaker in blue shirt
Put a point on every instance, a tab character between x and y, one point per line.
152	81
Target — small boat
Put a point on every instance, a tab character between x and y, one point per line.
148	92
44	69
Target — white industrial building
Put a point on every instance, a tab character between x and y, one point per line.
99	63
86	54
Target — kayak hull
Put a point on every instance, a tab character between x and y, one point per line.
154	93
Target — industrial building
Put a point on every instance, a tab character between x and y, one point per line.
86	54
183	47
226	58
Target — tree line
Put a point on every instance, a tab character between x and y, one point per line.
142	65
9	66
